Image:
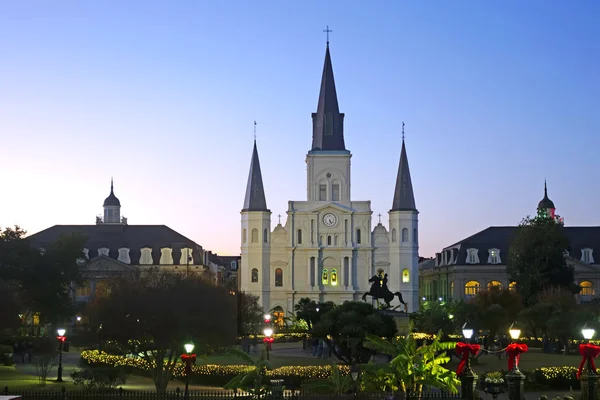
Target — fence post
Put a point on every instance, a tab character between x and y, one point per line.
6	390
63	392
589	383
468	382
516	384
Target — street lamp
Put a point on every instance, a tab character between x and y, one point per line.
589	379
78	318
189	358
588	333
354	373
61	340
514	332
516	379
268	333
267	318
467	332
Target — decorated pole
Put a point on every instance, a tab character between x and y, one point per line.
468	379
188	358
516	379
589	377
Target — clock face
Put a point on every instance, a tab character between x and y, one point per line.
329	219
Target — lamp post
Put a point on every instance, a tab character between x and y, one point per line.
189	358
468	379
589	379
268	332
78	318
516	380
354	374
61	340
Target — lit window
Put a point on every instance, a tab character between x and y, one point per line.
587	288
494	256
471	288
405	275
334	277
279	277
254	275
84	289
512	286
494	285
325	277
322	192
335	192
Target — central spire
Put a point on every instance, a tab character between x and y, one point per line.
255	193
328	122
404	198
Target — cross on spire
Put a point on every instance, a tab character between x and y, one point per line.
379	215
327	31
279	216
255	131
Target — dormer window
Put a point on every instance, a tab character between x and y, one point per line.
146	256
494	256
472	256
124	255
166	256
103	251
86	253
586	256
186	256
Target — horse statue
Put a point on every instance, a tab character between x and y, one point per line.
379	290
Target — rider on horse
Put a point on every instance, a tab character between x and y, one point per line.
379	290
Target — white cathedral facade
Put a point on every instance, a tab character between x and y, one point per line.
327	250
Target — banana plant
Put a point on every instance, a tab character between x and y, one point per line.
253	380
337	383
415	367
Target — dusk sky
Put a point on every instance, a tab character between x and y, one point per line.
162	95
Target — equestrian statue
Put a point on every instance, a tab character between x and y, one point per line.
379	290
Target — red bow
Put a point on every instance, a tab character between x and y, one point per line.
191	357
464	350
589	352
514	353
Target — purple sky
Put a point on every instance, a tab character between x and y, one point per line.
162	95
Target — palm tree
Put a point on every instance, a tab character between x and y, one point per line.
414	367
252	381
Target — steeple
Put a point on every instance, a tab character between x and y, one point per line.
328	122
404	198
112	200
255	192
546	204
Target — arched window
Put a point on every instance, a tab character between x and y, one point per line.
587	288
328	240
358	238
254	235
512	286
266	236
471	288
494	285
394	235
405	275
415	236
244	236
404	235
279	277
325	277
299	236
334	277
254	275
278	315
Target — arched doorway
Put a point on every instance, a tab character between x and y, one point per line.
278	315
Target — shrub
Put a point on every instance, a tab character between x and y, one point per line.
6	353
100	377
556	377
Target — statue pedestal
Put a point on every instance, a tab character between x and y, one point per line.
401	319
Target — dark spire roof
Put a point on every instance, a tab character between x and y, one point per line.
545	203
255	193
404	198
328	122
112	200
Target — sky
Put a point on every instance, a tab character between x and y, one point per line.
161	95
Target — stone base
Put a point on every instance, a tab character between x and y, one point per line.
402	320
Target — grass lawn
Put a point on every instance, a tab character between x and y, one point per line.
276	360
533	359
14	379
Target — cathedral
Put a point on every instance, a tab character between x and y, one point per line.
328	250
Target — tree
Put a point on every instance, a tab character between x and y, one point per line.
413	366
536	257
344	329
249	314
310	311
11	307
435	318
44	279
153	313
496	309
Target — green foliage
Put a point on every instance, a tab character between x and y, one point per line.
536	257
337	383
254	380
495	310
249	314
413	367
100	378
310	311
436	317
347	325
155	313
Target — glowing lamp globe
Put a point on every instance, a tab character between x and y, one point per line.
514	332
267	317
467	333
78	318
189	347
61	331
354	372
268	332
588	333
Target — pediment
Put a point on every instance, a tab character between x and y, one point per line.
580	266
279	263
382	263
332	207
107	264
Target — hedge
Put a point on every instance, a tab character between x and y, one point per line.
212	374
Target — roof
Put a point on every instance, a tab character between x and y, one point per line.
116	236
500	237
112	200
545	203
255	193
404	198
328	122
